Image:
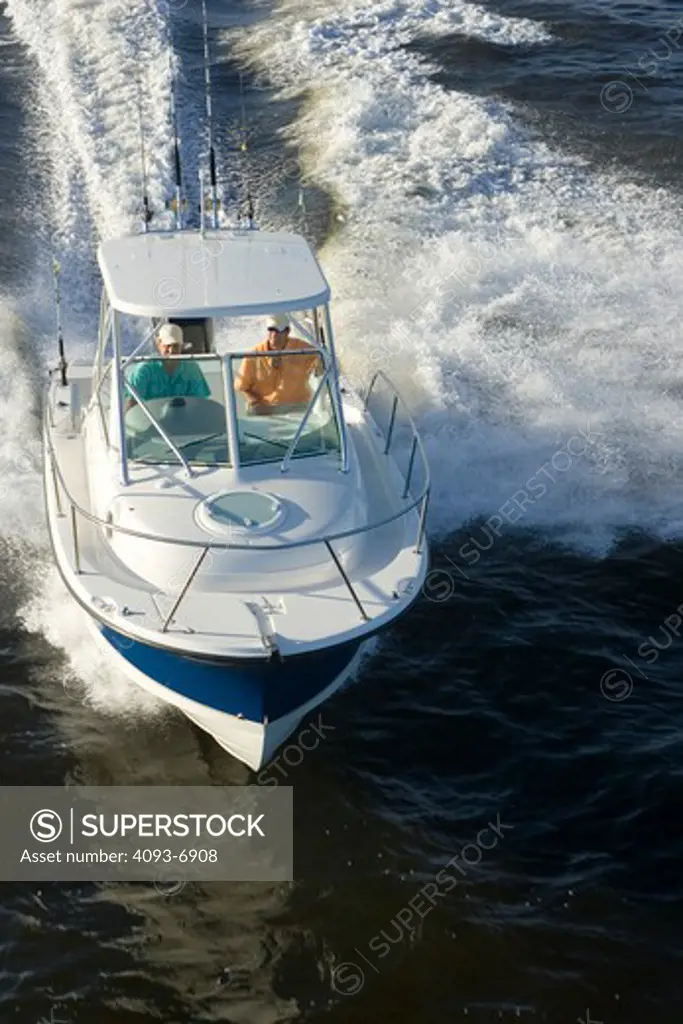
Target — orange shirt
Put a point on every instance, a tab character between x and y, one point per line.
279	385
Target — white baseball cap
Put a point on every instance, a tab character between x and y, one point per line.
170	334
277	320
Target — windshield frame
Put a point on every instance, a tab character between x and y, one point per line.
322	340
325	379
188	466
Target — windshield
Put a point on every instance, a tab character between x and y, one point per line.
273	396
175	408
186	397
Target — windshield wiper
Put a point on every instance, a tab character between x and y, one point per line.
201	440
265	440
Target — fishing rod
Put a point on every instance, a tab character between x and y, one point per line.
146	208
209	117
202	212
304	210
176	151
61	365
244	148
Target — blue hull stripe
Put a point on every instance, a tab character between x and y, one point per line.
269	688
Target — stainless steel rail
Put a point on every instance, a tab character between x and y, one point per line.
186	586
416	447
302	426
421	500
347	581
157	426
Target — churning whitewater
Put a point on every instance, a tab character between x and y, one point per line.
512	295
520	298
501	244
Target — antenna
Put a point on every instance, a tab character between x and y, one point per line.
176	152
61	365
244	148
146	208
209	117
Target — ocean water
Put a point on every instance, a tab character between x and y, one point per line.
494	192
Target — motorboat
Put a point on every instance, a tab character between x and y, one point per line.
235	549
236	563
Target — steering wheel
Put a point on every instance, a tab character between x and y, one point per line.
178	415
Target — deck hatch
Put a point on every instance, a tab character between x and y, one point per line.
240	510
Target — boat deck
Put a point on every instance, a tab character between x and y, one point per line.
311	607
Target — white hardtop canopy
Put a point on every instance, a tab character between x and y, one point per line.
219	273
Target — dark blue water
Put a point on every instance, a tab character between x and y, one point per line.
524	723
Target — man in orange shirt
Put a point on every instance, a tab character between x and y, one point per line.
273	383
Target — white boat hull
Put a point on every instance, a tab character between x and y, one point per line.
252	742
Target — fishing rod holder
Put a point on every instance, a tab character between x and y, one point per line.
61	363
209	205
62	368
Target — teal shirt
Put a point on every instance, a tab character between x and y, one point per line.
150	380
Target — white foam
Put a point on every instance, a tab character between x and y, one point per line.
84	118
92	676
564	319
554	289
21	498
89	57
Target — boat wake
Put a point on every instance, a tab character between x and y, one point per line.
520	299
20	450
83	115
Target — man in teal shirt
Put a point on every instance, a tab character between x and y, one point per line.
168	376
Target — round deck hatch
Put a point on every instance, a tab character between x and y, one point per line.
242	511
